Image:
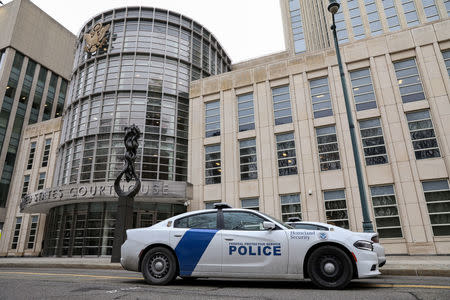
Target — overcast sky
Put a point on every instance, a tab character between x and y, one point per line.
245	28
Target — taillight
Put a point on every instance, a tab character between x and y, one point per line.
375	239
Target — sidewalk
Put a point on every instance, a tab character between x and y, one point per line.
395	265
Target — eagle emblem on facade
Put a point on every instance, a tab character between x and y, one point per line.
96	38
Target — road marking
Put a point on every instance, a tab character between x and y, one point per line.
369	285
73	275
393	285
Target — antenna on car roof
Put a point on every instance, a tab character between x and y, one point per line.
221	205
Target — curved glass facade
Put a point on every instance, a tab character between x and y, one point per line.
140	76
85	229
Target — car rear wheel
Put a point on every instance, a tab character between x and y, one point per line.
330	268
159	266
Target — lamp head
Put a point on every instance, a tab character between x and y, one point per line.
333	7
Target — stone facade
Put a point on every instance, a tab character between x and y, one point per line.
427	44
16	235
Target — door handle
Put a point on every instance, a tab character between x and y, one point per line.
229	239
177	235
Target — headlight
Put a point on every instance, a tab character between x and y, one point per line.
363	245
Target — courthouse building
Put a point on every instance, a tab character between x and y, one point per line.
132	66
273	135
269	133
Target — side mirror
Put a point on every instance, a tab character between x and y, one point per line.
268	225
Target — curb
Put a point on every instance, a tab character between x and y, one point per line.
62	266
417	272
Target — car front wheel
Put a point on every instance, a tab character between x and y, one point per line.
330	268
159	266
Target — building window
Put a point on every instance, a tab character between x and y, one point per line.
31	155
48	143
446	55
363	89
210	205
386	211
410	11
447	7
248	160
33	230
281	105
246	112
341	27
287	161
51	91
297	26
391	15
373	142
41	181
38	94
320	96
429	6
409	80
328	148
26	183
437	195
336	208
10	93
251	203
290	206
15	239
422	134
213	165
212	121
355	19
373	17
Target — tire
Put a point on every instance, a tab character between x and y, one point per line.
330	268
159	266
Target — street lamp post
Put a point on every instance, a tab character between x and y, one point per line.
333	8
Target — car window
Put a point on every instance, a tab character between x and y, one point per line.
242	221
200	221
308	226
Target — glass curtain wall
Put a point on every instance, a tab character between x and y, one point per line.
140	76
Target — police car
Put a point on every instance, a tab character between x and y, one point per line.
241	243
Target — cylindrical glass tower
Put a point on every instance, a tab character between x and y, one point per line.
140	75
132	66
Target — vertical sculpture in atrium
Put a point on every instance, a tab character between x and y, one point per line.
124	217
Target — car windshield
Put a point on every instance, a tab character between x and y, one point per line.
276	220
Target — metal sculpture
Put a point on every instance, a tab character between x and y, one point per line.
124	217
132	134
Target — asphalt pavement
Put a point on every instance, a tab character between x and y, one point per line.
62	283
395	265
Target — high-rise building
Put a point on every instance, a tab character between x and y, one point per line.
36	55
307	22
281	141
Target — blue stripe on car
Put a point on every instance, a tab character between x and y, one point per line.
191	248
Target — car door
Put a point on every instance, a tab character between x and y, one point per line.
197	243
248	248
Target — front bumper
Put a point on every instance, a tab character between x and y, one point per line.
367	263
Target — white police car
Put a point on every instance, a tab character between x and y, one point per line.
241	243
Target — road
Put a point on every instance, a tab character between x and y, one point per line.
23	283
